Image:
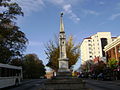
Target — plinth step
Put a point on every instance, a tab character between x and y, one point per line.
65	84
67	74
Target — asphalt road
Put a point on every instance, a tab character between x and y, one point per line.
102	85
34	84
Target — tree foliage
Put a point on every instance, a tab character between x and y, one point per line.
87	66
100	66
52	52
17	62
112	63
32	66
90	66
12	40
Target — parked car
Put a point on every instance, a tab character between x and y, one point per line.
100	76
81	75
94	76
104	76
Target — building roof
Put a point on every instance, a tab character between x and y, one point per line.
114	37
88	38
112	44
9	66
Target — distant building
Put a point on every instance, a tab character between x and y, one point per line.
93	46
86	50
49	74
113	49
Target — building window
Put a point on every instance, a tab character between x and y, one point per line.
89	40
90	56
118	49
114	51
90	52
89	44
103	44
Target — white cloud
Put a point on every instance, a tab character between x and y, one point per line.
29	6
57	1
67	9
114	16
90	12
61	2
66	5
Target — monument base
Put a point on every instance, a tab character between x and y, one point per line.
64	84
63	75
64	81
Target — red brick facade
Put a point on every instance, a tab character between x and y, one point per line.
114	53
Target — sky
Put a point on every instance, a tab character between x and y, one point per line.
82	18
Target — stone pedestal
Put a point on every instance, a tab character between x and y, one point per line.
65	83
63	75
63	65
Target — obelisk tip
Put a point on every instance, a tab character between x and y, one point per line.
61	14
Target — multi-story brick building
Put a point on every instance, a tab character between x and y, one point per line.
112	50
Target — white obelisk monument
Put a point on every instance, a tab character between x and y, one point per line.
63	60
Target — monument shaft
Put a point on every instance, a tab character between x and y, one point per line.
63	60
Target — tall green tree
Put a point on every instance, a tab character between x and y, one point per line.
17	62
52	52
12	40
32	66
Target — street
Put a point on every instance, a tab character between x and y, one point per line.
102	85
34	84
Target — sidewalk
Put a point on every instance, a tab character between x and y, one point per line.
116	82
